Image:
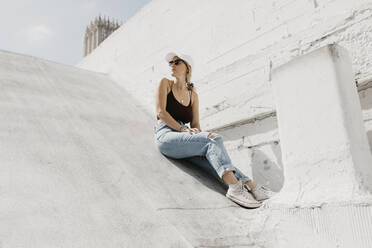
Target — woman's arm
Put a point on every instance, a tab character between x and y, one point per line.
195	111
161	104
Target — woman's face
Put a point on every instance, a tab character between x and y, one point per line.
179	70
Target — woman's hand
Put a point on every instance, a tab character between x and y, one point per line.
190	130
194	130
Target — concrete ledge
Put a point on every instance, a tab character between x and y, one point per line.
342	225
325	151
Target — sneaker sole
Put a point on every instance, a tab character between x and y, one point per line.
261	200
236	200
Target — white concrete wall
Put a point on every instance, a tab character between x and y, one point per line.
62	181
323	140
235	45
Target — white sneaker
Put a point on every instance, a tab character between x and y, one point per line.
260	192
239	194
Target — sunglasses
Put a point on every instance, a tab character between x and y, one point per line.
176	62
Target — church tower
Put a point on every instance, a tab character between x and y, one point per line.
98	31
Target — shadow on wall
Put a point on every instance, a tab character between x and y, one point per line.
365	97
202	171
265	156
266	171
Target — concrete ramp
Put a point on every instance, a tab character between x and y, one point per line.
79	168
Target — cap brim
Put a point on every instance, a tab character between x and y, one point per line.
184	57
170	56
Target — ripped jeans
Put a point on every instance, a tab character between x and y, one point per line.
183	145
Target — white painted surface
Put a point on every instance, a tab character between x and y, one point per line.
324	146
324	226
75	175
69	116
80	169
62	183
234	45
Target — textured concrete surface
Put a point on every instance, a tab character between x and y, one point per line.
80	169
326	197
235	46
323	141
72	175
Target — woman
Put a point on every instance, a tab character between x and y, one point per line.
177	104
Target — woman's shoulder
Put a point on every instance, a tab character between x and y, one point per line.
194	92
194	96
167	82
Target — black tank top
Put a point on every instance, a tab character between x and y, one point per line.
177	110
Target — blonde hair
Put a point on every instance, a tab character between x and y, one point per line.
190	85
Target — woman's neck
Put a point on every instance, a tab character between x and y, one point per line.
180	84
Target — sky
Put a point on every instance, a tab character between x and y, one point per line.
54	30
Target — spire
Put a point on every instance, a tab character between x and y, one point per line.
104	25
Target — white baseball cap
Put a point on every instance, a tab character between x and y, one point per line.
184	57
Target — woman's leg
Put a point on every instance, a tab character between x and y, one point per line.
239	175
204	163
184	145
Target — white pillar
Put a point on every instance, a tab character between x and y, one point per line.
326	155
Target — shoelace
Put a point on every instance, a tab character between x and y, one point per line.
263	189
258	188
244	192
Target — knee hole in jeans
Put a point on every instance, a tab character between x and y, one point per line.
213	135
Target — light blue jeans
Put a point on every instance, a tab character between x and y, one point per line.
183	145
